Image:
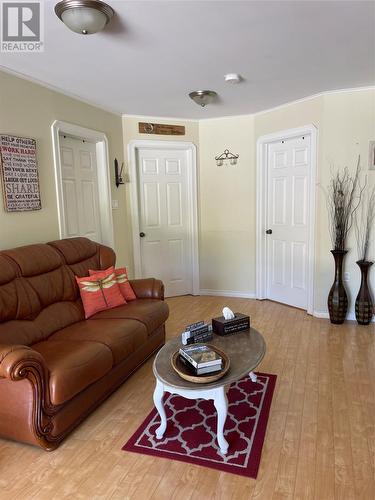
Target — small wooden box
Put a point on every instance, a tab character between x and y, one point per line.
223	326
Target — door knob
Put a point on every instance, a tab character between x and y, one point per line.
142	234
269	231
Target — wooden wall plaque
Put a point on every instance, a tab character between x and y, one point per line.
19	174
160	129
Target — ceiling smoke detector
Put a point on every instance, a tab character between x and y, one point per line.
203	97
232	78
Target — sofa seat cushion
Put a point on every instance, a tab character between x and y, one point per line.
152	312
73	366
122	337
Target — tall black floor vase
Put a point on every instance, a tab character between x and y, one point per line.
337	298
364	307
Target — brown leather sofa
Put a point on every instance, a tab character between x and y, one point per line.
55	366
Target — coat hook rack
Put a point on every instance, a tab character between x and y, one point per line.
225	157
118	174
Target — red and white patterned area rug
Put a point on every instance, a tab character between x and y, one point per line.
191	428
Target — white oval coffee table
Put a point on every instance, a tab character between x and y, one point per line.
245	350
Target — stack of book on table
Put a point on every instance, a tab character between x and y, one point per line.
197	333
201	359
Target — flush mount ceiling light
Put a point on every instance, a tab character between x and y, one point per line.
203	97
84	16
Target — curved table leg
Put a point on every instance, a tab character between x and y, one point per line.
253	377
158	401
221	405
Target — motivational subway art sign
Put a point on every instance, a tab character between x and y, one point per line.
19	174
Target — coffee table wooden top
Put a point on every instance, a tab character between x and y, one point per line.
245	350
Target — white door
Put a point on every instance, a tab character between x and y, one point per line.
165	221
80	189
289	174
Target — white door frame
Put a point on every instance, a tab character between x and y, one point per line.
262	203
104	178
191	150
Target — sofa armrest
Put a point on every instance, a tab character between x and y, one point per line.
149	288
17	360
20	363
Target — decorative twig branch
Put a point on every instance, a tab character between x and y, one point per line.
343	197
364	221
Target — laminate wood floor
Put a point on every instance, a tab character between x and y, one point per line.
320	440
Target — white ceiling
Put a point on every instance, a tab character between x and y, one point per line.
154	53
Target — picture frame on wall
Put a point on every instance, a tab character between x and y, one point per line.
19	173
371	161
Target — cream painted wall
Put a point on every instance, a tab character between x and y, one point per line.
225	242
228	194
345	122
130	129
28	109
227	206
349	125
130	133
289	116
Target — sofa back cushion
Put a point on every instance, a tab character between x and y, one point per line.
14	302
82	254
38	292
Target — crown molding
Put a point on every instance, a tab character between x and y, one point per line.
292	103
58	90
227	117
153	118
315	96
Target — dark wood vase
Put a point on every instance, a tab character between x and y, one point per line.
364	306
337	298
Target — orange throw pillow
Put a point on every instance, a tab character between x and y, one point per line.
99	292
122	280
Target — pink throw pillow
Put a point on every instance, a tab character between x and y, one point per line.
122	280
99	292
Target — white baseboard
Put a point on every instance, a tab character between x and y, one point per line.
325	315
252	295
228	293
321	314
351	317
